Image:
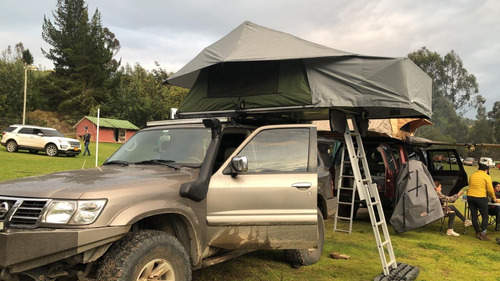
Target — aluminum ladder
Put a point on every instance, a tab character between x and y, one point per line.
346	195
368	192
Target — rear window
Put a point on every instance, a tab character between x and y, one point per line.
10	129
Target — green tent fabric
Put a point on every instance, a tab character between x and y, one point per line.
254	67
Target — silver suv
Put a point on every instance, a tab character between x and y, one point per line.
35	138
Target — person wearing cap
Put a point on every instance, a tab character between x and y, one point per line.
480	188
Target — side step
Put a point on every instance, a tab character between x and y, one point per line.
403	272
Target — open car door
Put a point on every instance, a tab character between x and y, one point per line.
264	195
445	167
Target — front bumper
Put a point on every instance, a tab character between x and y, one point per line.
75	151
21	250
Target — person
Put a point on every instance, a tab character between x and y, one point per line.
451	210
86	141
480	188
495	210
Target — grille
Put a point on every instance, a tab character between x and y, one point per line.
75	143
28	213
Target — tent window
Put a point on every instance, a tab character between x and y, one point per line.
243	79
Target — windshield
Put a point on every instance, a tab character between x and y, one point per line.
178	145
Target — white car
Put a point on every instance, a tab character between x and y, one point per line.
35	138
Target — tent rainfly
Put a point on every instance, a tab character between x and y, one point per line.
256	68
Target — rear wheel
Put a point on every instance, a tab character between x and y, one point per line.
299	257
11	146
146	255
51	149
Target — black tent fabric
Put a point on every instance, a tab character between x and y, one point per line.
418	203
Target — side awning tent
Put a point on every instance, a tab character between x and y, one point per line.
254	67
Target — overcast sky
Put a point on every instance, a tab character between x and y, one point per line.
173	32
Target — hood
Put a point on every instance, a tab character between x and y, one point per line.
62	139
97	182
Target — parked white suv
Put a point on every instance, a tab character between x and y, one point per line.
35	138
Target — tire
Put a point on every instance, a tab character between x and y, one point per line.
302	257
129	258
11	146
51	150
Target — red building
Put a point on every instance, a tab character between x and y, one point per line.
110	130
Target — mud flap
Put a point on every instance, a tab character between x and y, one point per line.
403	272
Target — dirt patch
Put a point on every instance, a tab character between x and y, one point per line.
50	119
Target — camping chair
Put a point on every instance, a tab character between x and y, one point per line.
439	224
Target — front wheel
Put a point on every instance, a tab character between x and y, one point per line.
146	255
11	146
299	257
51	150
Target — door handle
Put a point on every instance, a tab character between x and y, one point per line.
302	185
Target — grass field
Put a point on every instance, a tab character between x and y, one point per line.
439	257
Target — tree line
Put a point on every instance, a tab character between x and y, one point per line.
87	76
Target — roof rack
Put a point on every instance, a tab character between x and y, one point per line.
183	121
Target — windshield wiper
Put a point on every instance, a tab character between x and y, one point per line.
168	163
119	162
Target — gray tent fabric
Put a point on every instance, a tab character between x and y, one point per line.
236	74
418	203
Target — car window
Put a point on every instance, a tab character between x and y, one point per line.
51	133
325	153
177	145
443	161
26	130
10	129
278	151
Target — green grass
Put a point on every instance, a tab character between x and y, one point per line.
24	164
439	257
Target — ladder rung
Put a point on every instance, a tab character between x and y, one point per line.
391	262
379	223
346	188
344	218
345	202
342	230
385	243
347	176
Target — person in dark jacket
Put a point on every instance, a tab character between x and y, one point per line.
86	141
495	210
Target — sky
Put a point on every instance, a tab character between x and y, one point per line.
174	32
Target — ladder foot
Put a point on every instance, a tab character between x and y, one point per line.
403	272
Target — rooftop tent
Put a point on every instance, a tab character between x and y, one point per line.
254	67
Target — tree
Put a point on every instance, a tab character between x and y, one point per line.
27	57
82	52
451	79
494	117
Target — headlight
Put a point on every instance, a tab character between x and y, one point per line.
73	212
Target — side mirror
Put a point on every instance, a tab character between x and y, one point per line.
239	164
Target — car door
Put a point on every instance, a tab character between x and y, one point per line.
445	170
24	137
273	204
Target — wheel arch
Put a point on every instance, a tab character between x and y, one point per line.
178	223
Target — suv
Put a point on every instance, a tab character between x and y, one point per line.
34	139
173	198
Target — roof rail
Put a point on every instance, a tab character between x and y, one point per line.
183	121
